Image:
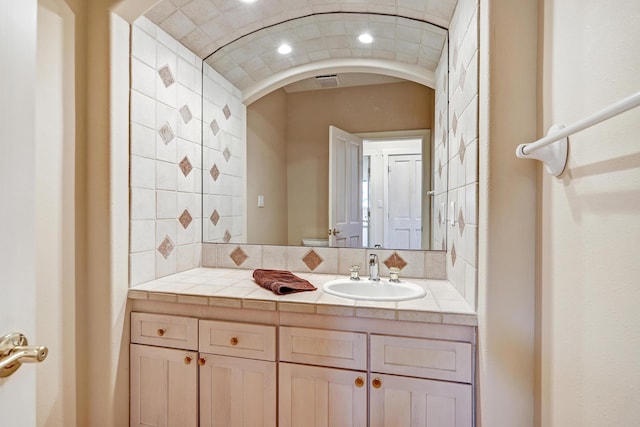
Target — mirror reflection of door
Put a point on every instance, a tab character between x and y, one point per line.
404	207
345	186
393	203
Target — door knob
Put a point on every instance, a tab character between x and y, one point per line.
15	350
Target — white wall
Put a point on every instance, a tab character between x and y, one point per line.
589	273
55	214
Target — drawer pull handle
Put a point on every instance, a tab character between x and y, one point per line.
234	341
376	383
161	332
202	361
187	360
359	382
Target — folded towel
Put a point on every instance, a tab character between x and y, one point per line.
281	282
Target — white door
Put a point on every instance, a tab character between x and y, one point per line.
17	193
405	201
345	189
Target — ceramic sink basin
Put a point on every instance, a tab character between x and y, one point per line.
365	289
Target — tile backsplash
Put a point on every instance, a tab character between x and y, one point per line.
414	264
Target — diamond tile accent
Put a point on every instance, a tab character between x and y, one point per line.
227	112
462	150
227	154
185	219
312	260
461	223
440	117
439	168
463	76
185	112
215	172
166	133
453	254
166	76
395	260
215	217
226	237
166	247
238	256
439	216
215	128
185	166
454	123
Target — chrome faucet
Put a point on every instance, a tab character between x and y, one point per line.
373	268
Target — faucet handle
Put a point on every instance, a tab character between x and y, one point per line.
373	259
354	269
393	274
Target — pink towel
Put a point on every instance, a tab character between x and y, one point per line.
281	282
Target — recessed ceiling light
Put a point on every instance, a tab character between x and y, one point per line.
248	1
365	38
284	49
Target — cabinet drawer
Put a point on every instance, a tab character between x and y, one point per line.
238	339
322	347
164	331
416	357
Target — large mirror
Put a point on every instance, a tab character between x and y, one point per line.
369	118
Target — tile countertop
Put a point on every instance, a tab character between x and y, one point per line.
235	288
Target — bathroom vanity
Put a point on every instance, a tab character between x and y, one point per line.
209	347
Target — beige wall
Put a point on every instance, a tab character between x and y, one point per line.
589	273
397	106
506	241
267	169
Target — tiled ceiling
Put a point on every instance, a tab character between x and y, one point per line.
245	36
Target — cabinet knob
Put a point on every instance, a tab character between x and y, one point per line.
359	382
161	332
202	361
234	341
187	360
376	383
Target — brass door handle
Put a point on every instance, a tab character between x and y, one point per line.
15	350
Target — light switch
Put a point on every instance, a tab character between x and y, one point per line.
452	214
260	201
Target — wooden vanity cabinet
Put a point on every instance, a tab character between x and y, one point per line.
235	374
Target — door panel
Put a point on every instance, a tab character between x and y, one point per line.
345	189
164	387
405	201
17	192
413	402
312	396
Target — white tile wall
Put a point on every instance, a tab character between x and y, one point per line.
224	194
462	157
160	191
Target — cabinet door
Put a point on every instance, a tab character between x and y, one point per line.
164	387
237	392
411	402
312	396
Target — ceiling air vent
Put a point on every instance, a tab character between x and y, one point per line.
329	80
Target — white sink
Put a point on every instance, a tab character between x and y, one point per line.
382	290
